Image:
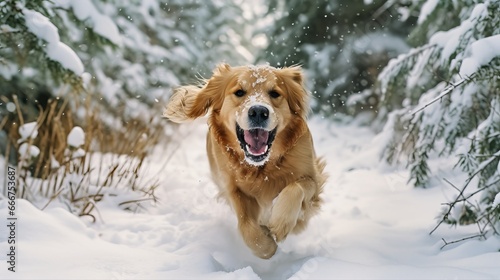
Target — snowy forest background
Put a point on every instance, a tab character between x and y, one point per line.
423	74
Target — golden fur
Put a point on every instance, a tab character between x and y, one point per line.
278	195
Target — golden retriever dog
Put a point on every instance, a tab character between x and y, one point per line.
259	148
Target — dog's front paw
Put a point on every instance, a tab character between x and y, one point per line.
281	225
259	240
266	247
284	215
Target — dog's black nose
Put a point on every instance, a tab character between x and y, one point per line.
258	115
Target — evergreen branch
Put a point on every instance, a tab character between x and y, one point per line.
481	167
445	92
395	63
386	6
475	192
490	222
487	216
484	164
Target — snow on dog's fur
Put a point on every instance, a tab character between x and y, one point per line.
259	147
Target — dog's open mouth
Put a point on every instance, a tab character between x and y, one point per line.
256	143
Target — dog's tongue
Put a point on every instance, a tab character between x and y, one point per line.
256	140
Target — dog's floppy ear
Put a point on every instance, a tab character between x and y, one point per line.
190	102
298	97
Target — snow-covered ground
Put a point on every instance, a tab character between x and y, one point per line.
373	226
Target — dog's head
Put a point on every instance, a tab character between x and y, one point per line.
252	104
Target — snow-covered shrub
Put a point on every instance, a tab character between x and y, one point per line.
442	99
60	161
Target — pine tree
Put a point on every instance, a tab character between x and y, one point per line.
29	65
442	99
133	51
342	44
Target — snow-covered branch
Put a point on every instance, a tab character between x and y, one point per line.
445	92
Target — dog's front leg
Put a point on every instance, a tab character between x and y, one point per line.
288	206
256	237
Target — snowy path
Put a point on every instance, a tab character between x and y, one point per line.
373	226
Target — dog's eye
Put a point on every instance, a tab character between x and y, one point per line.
274	94
239	93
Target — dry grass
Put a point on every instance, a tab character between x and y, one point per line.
111	165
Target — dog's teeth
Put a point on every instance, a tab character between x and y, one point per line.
248	150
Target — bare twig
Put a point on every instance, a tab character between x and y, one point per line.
446	243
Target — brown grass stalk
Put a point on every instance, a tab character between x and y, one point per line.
114	159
